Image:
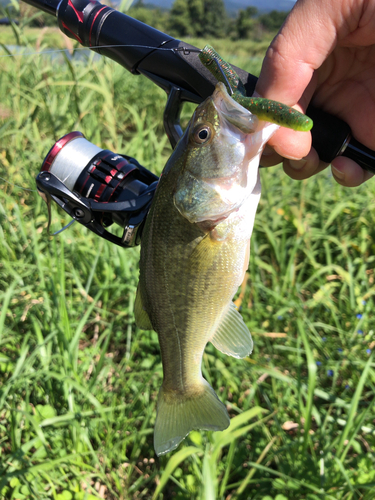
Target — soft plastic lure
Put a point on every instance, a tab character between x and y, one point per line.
264	109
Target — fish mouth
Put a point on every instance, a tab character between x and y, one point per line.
232	111
218	176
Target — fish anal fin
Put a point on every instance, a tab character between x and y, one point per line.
178	414
232	336
142	319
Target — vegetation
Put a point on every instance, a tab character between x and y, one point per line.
249	24
79	381
197	18
201	18
155	17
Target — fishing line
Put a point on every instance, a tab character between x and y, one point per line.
63	228
36	191
19	187
185	50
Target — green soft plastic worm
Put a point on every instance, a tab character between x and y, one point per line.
264	109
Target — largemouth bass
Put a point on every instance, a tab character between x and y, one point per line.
196	245
195	251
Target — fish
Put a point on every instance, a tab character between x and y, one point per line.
195	251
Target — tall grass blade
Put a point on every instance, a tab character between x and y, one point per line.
172	463
354	406
312	372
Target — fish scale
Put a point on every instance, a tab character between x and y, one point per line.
173	243
194	253
195	247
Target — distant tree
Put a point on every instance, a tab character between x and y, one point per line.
215	19
180	23
273	20
249	24
245	22
198	18
196	9
154	17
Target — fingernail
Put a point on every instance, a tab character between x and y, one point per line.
297	164
337	173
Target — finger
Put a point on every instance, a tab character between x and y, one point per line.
299	48
291	144
348	173
286	143
270	157
304	168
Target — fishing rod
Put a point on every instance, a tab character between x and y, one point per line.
98	187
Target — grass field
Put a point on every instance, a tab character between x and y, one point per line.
79	381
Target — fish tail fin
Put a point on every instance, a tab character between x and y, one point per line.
177	415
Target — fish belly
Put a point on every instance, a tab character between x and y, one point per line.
187	282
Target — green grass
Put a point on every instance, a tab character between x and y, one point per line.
79	381
36	37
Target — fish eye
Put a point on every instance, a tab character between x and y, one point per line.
202	134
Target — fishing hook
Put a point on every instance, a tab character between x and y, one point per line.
223	75
186	50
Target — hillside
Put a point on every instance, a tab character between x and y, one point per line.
234	5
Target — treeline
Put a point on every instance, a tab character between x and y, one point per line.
186	18
208	18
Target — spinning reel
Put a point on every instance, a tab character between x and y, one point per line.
97	187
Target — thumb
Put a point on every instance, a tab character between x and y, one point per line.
303	43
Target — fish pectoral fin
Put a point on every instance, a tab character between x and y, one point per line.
232	336
177	415
205	251
142	319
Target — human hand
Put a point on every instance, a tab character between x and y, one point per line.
324	53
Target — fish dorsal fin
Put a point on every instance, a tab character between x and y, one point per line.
142	319
232	336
